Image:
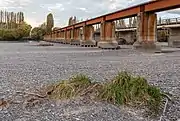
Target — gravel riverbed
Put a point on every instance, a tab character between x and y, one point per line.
24	67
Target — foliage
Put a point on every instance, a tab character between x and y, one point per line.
12	26
72	20
10	20
37	33
17	33
50	22
124	89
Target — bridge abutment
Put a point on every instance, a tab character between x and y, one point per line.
108	40
147	32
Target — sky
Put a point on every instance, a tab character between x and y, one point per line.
36	10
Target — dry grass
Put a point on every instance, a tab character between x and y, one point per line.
124	89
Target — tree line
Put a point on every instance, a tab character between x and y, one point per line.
37	33
46	27
13	26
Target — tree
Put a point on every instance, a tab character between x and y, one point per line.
72	20
37	33
16	33
50	22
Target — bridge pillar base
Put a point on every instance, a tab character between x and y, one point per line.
87	43
108	44
147	46
75	42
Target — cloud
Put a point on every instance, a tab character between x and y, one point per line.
176	11
83	9
37	10
14	3
51	7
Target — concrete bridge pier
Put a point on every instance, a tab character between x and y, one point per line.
76	37
147	32
64	36
87	39
53	36
57	37
60	36
107	36
174	38
67	37
49	37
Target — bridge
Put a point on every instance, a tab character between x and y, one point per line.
146	27
168	30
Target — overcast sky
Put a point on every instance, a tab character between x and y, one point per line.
36	10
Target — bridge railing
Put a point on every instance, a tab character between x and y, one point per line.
169	21
160	22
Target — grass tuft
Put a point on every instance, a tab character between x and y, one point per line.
71	88
129	90
124	89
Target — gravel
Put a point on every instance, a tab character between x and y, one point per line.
26	67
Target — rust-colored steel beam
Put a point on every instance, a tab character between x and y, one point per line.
94	21
123	13
152	6
161	5
78	25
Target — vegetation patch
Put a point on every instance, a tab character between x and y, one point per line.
124	89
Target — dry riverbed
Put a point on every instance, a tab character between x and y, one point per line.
25	68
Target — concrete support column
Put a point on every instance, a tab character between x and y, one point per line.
174	38
75	37
53	36
87	39
56	36
47	37
68	37
62	36
108	36
65	36
147	32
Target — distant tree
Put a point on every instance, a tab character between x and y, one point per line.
37	33
72	20
49	22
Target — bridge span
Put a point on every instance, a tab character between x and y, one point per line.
146	27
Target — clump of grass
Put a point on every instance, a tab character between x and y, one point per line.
68	89
124	89
130	90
